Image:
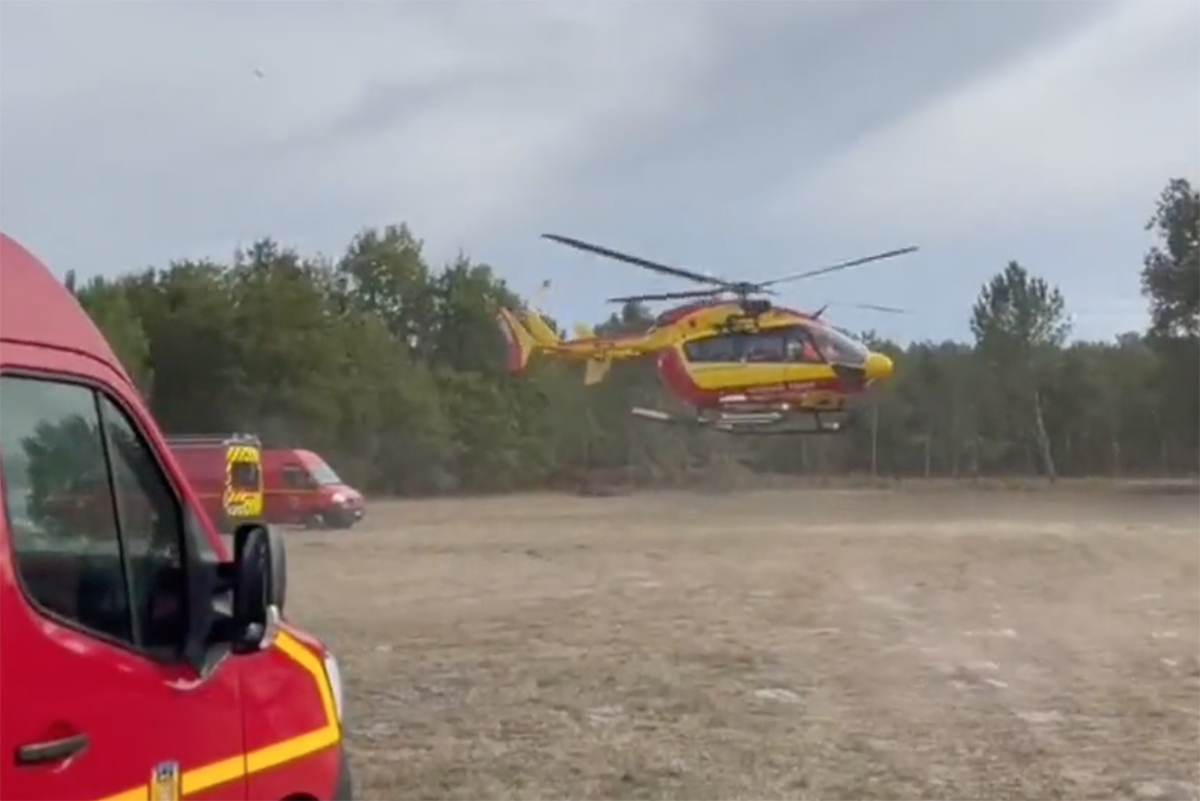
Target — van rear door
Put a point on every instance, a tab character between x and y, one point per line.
97	701
244	481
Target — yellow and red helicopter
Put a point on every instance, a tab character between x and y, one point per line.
743	364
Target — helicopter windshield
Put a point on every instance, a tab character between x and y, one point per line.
838	348
811	343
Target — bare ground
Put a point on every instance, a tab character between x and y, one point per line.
804	644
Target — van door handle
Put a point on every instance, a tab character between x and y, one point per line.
51	750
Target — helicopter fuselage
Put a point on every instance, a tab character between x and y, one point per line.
780	359
735	369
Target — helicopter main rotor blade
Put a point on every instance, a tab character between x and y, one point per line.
869	307
697	293
834	268
654	266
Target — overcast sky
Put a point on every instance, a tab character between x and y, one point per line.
741	138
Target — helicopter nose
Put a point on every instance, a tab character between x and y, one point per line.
878	367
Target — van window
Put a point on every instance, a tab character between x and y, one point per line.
323	474
60	504
97	529
151	525
295	477
244	476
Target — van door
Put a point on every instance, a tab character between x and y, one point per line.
297	493
243	497
97	702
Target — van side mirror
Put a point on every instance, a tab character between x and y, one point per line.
259	578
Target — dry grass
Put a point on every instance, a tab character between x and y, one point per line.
804	644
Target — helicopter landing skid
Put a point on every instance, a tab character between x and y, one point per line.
758	423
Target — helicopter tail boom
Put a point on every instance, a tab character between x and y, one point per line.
542	333
520	341
527	333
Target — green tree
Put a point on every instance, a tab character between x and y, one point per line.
394	371
1019	321
1171	270
385	274
199	384
1171	281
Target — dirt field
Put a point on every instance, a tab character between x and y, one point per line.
805	644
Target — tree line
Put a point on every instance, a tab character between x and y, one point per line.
394	371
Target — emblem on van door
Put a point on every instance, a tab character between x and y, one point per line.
165	782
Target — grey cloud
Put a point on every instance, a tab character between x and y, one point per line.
340	98
658	126
791	92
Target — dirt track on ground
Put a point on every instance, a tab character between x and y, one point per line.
804	644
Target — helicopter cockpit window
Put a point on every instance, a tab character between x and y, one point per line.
766	346
721	348
800	347
812	345
838	348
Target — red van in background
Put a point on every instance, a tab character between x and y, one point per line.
225	471
298	486
140	660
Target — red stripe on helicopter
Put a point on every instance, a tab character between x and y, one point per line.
673	372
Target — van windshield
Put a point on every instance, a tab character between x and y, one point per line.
323	474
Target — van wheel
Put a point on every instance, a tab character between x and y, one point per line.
315	521
339	520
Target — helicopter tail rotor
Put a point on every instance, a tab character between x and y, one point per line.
539	297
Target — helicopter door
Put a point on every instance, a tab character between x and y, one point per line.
764	347
715	361
761	360
805	360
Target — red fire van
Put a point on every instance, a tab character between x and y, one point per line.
296	486
140	660
225	472
300	487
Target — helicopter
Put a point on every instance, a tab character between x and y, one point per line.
742	364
